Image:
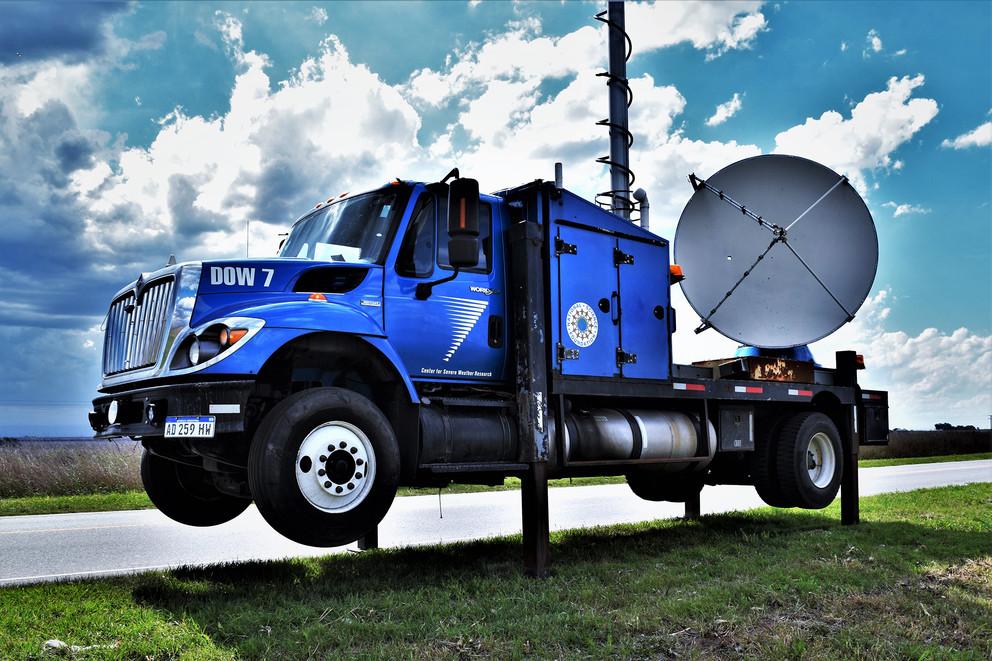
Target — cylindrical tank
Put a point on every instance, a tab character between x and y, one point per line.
467	435
613	434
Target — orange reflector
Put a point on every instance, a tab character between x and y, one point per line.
676	271
859	361
318	297
224	337
236	334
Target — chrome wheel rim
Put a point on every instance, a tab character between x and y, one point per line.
335	466
821	461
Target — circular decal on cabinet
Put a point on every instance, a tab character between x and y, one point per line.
581	324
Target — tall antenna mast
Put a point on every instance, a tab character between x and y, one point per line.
620	48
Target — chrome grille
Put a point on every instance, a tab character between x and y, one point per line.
135	333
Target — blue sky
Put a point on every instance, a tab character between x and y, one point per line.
132	131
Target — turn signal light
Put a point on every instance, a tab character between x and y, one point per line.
675	274
229	336
859	362
317	297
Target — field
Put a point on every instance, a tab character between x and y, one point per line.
914	580
50	477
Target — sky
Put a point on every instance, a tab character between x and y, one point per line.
132	131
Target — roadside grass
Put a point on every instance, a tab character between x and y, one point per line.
67	468
914	580
136	499
905	461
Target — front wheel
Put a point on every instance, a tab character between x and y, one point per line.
186	493
324	467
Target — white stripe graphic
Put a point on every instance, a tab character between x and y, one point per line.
463	314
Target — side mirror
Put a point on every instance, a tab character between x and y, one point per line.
463	223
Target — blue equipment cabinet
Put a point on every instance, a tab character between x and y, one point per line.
609	295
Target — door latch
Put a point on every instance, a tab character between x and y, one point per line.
624	358
566	354
563	247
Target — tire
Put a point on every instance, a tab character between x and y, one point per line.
658	486
324	467
186	494
809	460
763	469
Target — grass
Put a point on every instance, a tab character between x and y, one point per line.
904	461
67	468
914	580
136	499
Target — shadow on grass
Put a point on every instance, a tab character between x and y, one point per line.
604	580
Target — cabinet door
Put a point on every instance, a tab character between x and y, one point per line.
644	305
587	290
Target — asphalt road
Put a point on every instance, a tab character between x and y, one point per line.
50	547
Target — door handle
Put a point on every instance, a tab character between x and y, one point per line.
496	331
615	308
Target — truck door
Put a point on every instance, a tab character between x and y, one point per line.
459	332
644	292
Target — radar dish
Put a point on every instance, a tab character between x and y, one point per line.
777	251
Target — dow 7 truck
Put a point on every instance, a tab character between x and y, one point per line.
423	334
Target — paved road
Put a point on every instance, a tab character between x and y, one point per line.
59	546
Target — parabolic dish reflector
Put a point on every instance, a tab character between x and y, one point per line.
777	251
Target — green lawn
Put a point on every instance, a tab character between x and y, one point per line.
134	500
914	580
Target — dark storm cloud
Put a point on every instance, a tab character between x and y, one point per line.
74	153
39	30
189	219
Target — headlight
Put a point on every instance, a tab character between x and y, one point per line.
193	352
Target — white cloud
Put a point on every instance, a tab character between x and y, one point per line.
877	127
906	209
980	136
873	43
899	53
318	15
843	46
933	376
725	111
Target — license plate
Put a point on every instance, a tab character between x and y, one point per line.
189	426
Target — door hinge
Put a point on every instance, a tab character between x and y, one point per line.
566	354
620	257
624	358
563	247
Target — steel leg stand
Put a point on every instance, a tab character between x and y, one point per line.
692	508
536	527
850	513
369	541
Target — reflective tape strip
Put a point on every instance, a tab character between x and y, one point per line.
753	390
865	395
800	393
225	408
689	386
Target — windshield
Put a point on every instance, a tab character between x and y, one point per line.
357	229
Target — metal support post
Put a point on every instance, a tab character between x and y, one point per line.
369	541
847	375
527	272
692	508
536	525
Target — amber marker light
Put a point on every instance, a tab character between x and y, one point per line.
317	297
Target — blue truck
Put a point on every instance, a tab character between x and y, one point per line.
398	340
424	334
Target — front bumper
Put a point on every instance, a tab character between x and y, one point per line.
142	412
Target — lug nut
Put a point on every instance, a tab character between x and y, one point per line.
322	472
330	448
354	450
359	462
358	476
323	458
327	484
342	445
351	486
339	490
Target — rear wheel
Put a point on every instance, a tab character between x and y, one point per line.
659	485
763	465
324	466
186	493
808	460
